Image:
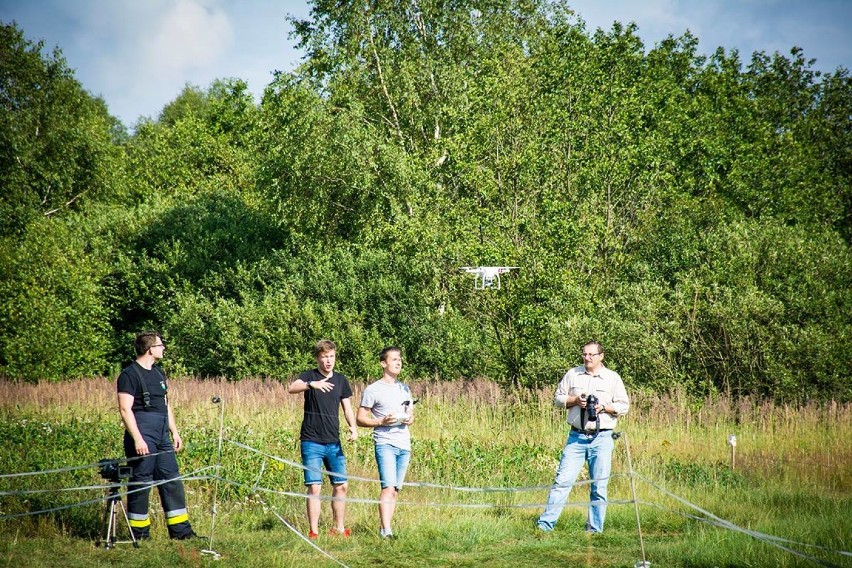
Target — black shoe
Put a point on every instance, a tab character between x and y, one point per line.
189	536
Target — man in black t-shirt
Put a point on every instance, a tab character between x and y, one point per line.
320	445
150	441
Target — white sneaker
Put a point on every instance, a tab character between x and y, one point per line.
386	534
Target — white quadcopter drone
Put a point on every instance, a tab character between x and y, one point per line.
487	276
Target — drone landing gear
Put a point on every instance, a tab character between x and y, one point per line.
113	503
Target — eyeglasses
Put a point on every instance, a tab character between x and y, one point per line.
590	354
163	345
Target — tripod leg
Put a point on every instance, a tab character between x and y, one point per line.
105	525
108	525
110	522
129	528
112	539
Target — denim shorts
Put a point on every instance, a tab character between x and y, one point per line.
393	463
317	457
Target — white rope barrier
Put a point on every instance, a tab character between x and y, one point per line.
430	504
77	467
715	523
718	521
191	475
299	534
411	483
707	518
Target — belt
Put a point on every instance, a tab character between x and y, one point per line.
590	432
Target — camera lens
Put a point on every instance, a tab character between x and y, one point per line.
591	402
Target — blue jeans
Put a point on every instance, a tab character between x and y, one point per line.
579	449
393	463
316	457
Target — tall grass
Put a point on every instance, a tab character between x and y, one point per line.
790	476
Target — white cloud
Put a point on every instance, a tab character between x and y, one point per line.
153	49
138	54
191	36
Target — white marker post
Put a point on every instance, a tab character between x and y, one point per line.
732	440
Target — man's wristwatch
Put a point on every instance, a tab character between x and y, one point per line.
308	382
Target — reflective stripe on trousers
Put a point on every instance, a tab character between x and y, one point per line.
154	428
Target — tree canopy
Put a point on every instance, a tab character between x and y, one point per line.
690	212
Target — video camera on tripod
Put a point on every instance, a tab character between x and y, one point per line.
114	470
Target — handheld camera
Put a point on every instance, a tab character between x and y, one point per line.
591	411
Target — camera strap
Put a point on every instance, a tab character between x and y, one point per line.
584	420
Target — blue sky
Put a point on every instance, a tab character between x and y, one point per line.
138	54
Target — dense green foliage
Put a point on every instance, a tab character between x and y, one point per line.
56	140
691	212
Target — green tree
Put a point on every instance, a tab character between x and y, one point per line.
56	140
690	212
54	322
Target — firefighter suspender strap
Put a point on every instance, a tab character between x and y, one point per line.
146	396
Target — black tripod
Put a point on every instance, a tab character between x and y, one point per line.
110	523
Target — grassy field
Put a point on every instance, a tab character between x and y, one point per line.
790	478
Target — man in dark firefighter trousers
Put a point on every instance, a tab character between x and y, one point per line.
150	432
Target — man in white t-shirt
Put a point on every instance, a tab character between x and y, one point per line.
387	407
